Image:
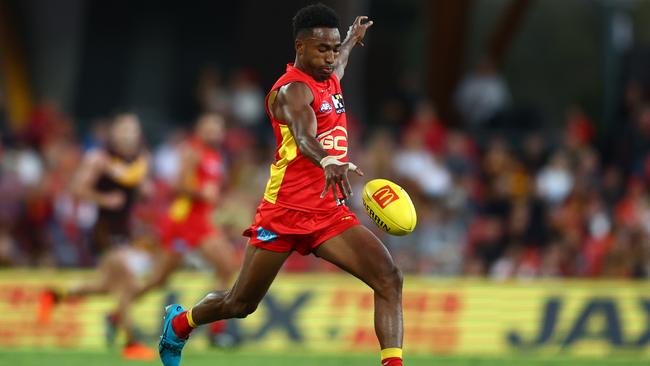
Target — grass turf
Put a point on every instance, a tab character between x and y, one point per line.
73	358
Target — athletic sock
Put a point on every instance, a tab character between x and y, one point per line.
183	324
391	357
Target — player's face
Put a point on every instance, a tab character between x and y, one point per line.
126	135
318	51
211	129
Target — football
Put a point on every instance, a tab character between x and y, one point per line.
389	206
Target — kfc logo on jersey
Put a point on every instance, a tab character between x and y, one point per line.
335	141
325	107
339	106
384	196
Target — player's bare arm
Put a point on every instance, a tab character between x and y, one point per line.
356	33
293	107
83	185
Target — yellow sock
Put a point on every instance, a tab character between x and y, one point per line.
190	320
391	353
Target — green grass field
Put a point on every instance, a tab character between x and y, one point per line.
72	358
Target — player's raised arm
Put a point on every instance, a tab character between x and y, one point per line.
355	35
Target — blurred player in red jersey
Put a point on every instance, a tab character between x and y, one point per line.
111	177
303	206
188	224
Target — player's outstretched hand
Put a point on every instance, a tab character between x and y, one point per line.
358	29
336	178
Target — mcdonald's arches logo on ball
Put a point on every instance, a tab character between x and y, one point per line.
384	196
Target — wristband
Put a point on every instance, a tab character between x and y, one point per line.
329	160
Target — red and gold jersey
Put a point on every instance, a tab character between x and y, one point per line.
208	170
295	182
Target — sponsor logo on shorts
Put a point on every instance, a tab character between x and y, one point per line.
346	218
265	235
384	196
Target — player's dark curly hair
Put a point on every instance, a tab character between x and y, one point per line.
314	16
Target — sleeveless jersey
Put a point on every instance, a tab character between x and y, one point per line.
112	226
295	182
208	170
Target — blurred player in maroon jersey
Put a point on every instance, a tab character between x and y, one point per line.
303	208
111	177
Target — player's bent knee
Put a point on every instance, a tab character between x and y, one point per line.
392	278
390	283
239	308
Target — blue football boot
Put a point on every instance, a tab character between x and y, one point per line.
171	345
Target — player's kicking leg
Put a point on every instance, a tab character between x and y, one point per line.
362	254
257	273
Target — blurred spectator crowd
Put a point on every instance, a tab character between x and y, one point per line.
562	202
